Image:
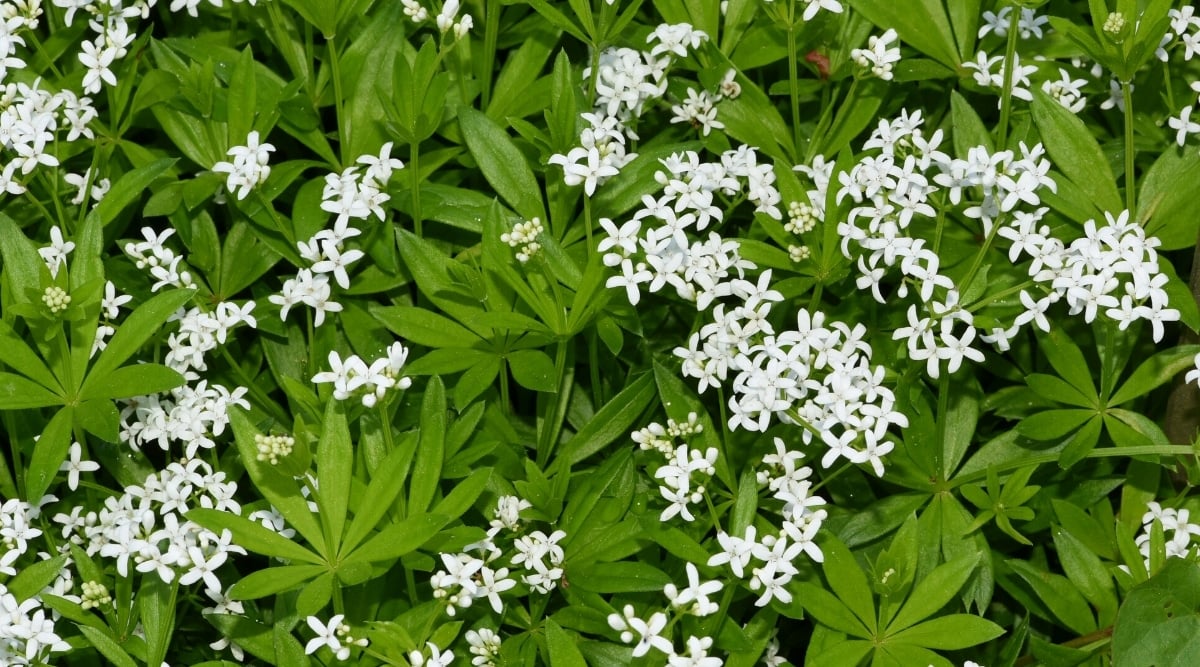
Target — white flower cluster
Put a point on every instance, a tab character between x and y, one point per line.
485	646
249	168
355	194
446	20
55	254
1178	530
880	56
684	470
1029	23
802	516
372	382
164	265
147	525
1112	269
524	235
335	635
1066	91
201	332
1185	27
985	77
273	447
600	155
27	636
653	632
466	578
436	657
192	415
700	271
700	110
81	182
17	528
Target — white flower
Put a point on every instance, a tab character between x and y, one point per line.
74	465
327	635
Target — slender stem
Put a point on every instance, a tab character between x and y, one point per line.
414	166
1130	150
941	223
794	85
1010	52
505	403
337	98
339	606
1167	85
546	437
993	298
943	422
271	407
832	476
987	243
312	342
490	31
594	369
587	221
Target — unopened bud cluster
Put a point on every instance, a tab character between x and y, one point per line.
56	299
271	448
95	595
524	237
801	218
1114	24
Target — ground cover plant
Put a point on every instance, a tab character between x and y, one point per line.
666	332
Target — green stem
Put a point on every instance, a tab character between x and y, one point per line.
992	298
943	422
337	98
284	229
941	223
832	476
339	605
271	407
1010	52
414	166
490	31
594	369
1168	87
587	221
549	428
794	86
1130	150
505	403
978	261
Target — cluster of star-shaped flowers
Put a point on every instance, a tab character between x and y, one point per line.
250	167
654	249
655	631
335	635
1179	532
682	471
192	415
146	526
370	382
466	577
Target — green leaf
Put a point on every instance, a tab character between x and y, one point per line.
610	422
953	632
563	649
1159	622
128	188
1085	569
1076	153
335	470
463	496
253	536
933	592
830	611
135	380
141	324
381	492
533	369
18	392
427	469
502	164
21	358
1053	424
272	580
48	454
398	539
969	130
848	581
32	579
106	644
156	605
1059	595
1154	372
424	327
619	577
22	265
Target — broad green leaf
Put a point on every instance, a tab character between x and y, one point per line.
427	468
953	632
619	577
48	454
1076	153
463	495
1059	595
610	422
335	472
563	651
398	539
502	163
1053	424
315	595
30	580
22	265
830	611
1159	623
18	392
134	380
1154	372
20	357
106	644
933	592
424	327
272	580
129	187
533	369
137	328
1055	388
1085	569
969	130
252	536
848	581
381	492
745	503
156	606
